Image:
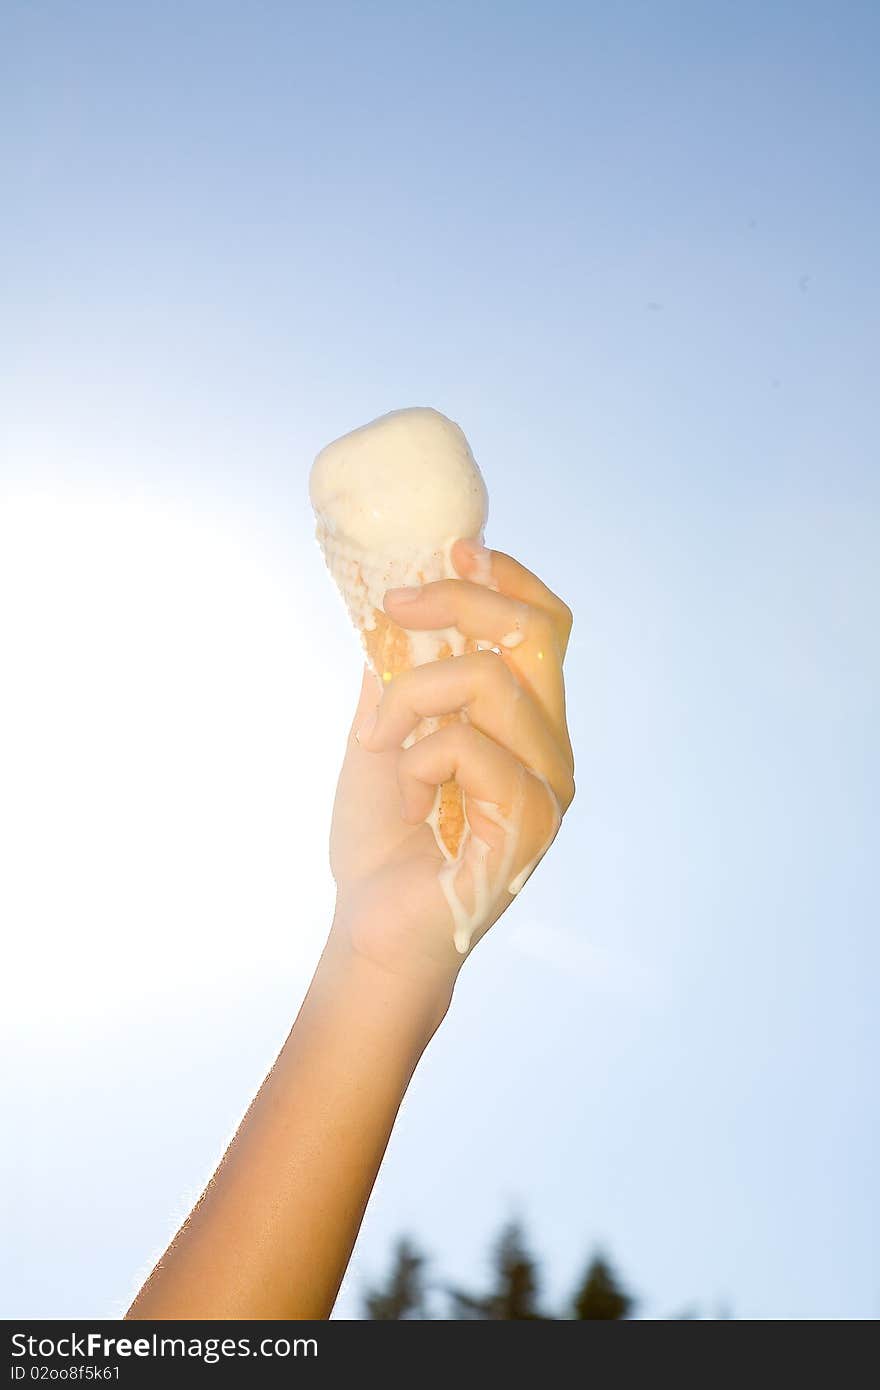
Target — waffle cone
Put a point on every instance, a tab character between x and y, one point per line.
390	650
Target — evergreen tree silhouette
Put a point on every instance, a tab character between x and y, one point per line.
516	1284
403	1297
600	1295
514	1295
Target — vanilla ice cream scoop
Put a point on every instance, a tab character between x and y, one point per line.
404	484
390	500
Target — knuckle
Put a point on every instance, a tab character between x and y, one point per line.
566	617
542	629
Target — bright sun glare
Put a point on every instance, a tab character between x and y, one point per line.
152	765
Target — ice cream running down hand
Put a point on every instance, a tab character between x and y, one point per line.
391	498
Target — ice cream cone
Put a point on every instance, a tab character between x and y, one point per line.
391	650
390	500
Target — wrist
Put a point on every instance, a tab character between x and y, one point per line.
410	984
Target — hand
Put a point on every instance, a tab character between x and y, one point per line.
512	758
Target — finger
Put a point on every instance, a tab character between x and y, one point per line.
368	700
474	610
482	685
510	810
526	635
459	752
474	562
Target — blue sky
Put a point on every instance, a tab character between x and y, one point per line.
632	250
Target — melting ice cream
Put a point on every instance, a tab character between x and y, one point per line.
390	500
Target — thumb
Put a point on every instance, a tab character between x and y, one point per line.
367	700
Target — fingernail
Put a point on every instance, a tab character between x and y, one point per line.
478	561
364	731
403	595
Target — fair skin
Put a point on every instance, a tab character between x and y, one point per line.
272	1234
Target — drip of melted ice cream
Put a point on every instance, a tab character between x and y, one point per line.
390	499
475	855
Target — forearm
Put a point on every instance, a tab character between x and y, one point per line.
274	1230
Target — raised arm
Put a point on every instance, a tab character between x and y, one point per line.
272	1235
